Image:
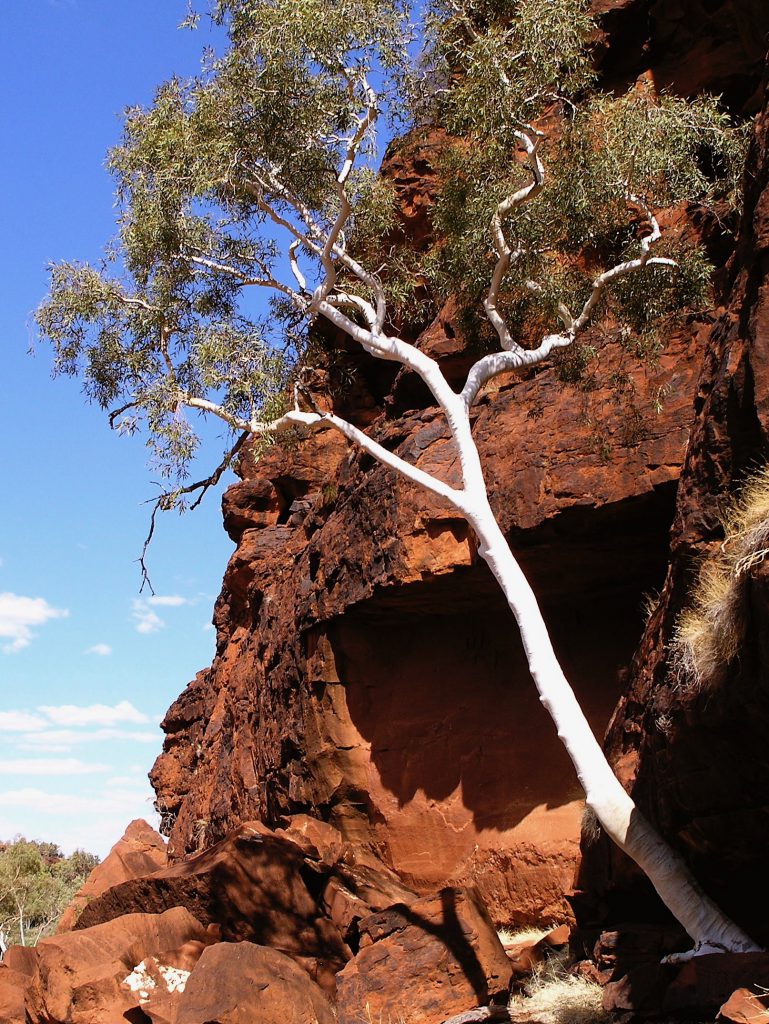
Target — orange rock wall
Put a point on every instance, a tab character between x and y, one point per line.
366	672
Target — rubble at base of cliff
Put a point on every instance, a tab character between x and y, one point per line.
288	926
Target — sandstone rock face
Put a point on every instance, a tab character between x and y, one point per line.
743	1007
252	886
367	672
424	963
140	851
241	983
697	761
686	46
427	744
13	989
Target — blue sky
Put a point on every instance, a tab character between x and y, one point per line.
87	665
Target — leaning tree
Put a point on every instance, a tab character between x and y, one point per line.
259	176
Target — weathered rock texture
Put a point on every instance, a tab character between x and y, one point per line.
240	983
80	976
698	761
425	962
367	672
140	851
686	46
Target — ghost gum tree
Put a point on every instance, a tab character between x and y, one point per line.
259	177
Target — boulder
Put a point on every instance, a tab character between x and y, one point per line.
253	885
140	851
527	952
81	975
745	1007
425	962
243	983
13	988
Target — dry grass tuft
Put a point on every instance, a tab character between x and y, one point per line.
710	634
553	996
521	936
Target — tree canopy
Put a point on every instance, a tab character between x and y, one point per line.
37	882
260	175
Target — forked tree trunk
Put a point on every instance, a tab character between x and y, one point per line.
707	925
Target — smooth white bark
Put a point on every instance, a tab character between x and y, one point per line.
710	929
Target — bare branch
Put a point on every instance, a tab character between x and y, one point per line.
244	280
166	500
505	256
298	275
119	412
628	267
134	300
316	420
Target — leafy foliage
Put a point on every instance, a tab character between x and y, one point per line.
273	145
36	884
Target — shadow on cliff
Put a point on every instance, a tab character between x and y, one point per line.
447	703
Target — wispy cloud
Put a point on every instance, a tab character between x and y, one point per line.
55	729
57	766
167	600
18	616
103	650
60	741
73	715
145	619
93	821
20	721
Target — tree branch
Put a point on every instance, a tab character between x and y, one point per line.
516	357
165	501
316	420
505	256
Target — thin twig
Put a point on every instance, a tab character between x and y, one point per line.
166	500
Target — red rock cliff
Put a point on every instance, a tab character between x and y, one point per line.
367	672
698	761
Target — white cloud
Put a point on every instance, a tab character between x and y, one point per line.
103	650
20	721
70	715
19	614
50	766
146	620
94	822
167	600
58	741
207	626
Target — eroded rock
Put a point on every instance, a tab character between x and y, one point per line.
242	983
140	851
80	975
425	962
254	886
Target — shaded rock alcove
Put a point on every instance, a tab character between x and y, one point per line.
427	728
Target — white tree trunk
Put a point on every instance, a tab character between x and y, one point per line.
679	890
